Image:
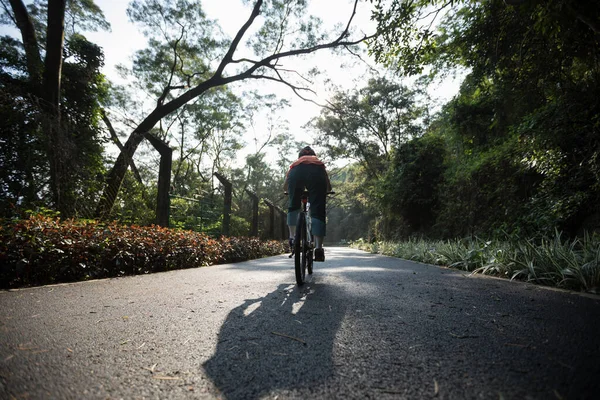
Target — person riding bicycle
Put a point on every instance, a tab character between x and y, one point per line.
308	172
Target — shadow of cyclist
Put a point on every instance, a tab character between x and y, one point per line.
280	342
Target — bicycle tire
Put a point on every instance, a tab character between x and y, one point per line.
299	251
305	251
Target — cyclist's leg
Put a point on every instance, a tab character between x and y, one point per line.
318	194
292	218
294	190
318	229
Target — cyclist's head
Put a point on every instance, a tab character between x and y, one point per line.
307	151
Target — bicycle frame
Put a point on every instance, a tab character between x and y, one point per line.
305	212
303	241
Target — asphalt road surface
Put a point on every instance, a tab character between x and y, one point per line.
365	326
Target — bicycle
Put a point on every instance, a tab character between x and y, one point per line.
303	242
303	250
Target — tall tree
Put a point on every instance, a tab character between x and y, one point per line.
42	85
367	124
55	36
522	134
276	39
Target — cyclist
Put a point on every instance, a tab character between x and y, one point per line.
308	172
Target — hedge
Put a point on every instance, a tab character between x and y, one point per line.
44	250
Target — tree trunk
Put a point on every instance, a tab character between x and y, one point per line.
163	201
134	170
54	53
117	173
32	49
59	148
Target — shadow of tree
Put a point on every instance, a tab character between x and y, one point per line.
270	344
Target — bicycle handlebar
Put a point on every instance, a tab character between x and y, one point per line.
306	191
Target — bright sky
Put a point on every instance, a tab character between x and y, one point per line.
124	39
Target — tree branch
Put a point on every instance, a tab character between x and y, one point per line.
168	88
115	139
238	37
294	88
8	12
32	49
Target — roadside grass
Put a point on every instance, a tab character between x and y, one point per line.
42	250
572	264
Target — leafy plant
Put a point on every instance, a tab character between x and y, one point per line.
43	250
570	264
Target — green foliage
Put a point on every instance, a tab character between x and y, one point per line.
519	141
366	124
181	42
43	250
239	226
28	145
406	37
350	213
570	264
410	189
80	16
135	204
286	25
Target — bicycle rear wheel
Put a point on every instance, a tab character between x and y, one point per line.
299	250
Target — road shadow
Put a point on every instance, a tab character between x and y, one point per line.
273	343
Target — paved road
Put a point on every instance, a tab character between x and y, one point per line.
366	326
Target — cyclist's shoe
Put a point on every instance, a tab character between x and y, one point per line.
319	254
291	242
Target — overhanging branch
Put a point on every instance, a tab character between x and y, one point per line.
238	37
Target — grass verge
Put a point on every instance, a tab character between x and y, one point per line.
572	264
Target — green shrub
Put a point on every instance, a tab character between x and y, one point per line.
42	250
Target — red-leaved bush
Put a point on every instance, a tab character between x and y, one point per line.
43	250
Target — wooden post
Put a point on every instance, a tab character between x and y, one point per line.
163	201
227	203
284	228
271	218
254	227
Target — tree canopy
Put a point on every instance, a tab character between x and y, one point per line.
515	151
